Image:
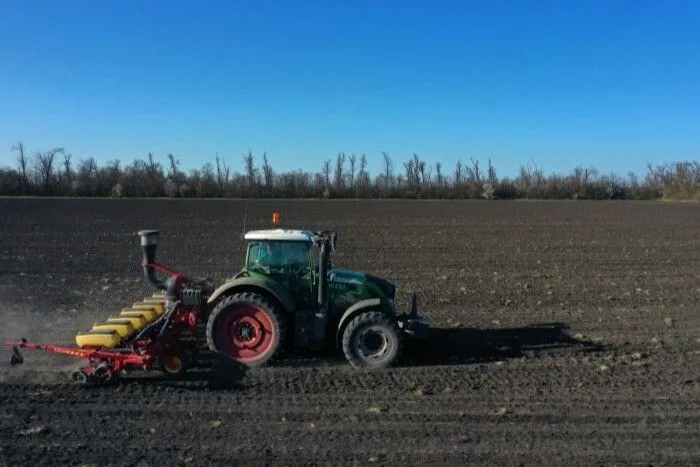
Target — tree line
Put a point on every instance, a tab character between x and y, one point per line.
54	173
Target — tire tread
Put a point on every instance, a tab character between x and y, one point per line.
370	317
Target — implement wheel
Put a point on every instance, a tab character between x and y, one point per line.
178	359
173	365
246	328
79	377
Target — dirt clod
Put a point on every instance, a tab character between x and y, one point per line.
37	430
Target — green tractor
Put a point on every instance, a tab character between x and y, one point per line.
289	296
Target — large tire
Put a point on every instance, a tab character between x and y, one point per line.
370	328
246	328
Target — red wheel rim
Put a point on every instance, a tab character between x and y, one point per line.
245	333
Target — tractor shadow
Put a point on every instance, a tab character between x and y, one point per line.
211	373
459	346
444	346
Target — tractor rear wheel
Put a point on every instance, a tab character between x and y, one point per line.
372	340
246	328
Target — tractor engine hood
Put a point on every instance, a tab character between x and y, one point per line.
344	276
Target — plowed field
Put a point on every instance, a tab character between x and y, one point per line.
564	333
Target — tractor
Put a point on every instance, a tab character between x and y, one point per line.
288	296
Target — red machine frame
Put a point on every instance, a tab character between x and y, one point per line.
158	344
164	349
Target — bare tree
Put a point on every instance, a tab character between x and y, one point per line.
22	161
268	174
154	171
44	172
208	184
426	171
223	173
421	169
471	184
474	172
339	170
67	173
492	173
113	176
458	174
173	166
388	169
362	174
351	175
153	167
67	170
415	171
251	173
411	173
327	173
440	180
87	169
44	163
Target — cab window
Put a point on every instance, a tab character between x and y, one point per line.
278	253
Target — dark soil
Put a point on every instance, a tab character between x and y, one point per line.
565	333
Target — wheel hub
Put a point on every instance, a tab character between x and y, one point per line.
373	343
245	333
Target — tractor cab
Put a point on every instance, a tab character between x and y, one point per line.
289	257
279	250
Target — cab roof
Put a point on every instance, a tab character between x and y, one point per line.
281	234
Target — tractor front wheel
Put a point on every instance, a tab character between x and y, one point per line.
372	340
246	328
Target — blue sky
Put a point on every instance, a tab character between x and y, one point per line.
613	84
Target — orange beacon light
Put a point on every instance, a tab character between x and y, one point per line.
275	218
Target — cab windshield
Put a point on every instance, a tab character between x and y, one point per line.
278	254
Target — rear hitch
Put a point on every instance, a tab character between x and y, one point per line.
413	307
412	324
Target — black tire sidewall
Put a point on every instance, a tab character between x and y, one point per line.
363	321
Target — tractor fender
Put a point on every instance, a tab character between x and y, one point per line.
352	311
247	283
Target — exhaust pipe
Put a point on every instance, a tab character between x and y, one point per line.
149	243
